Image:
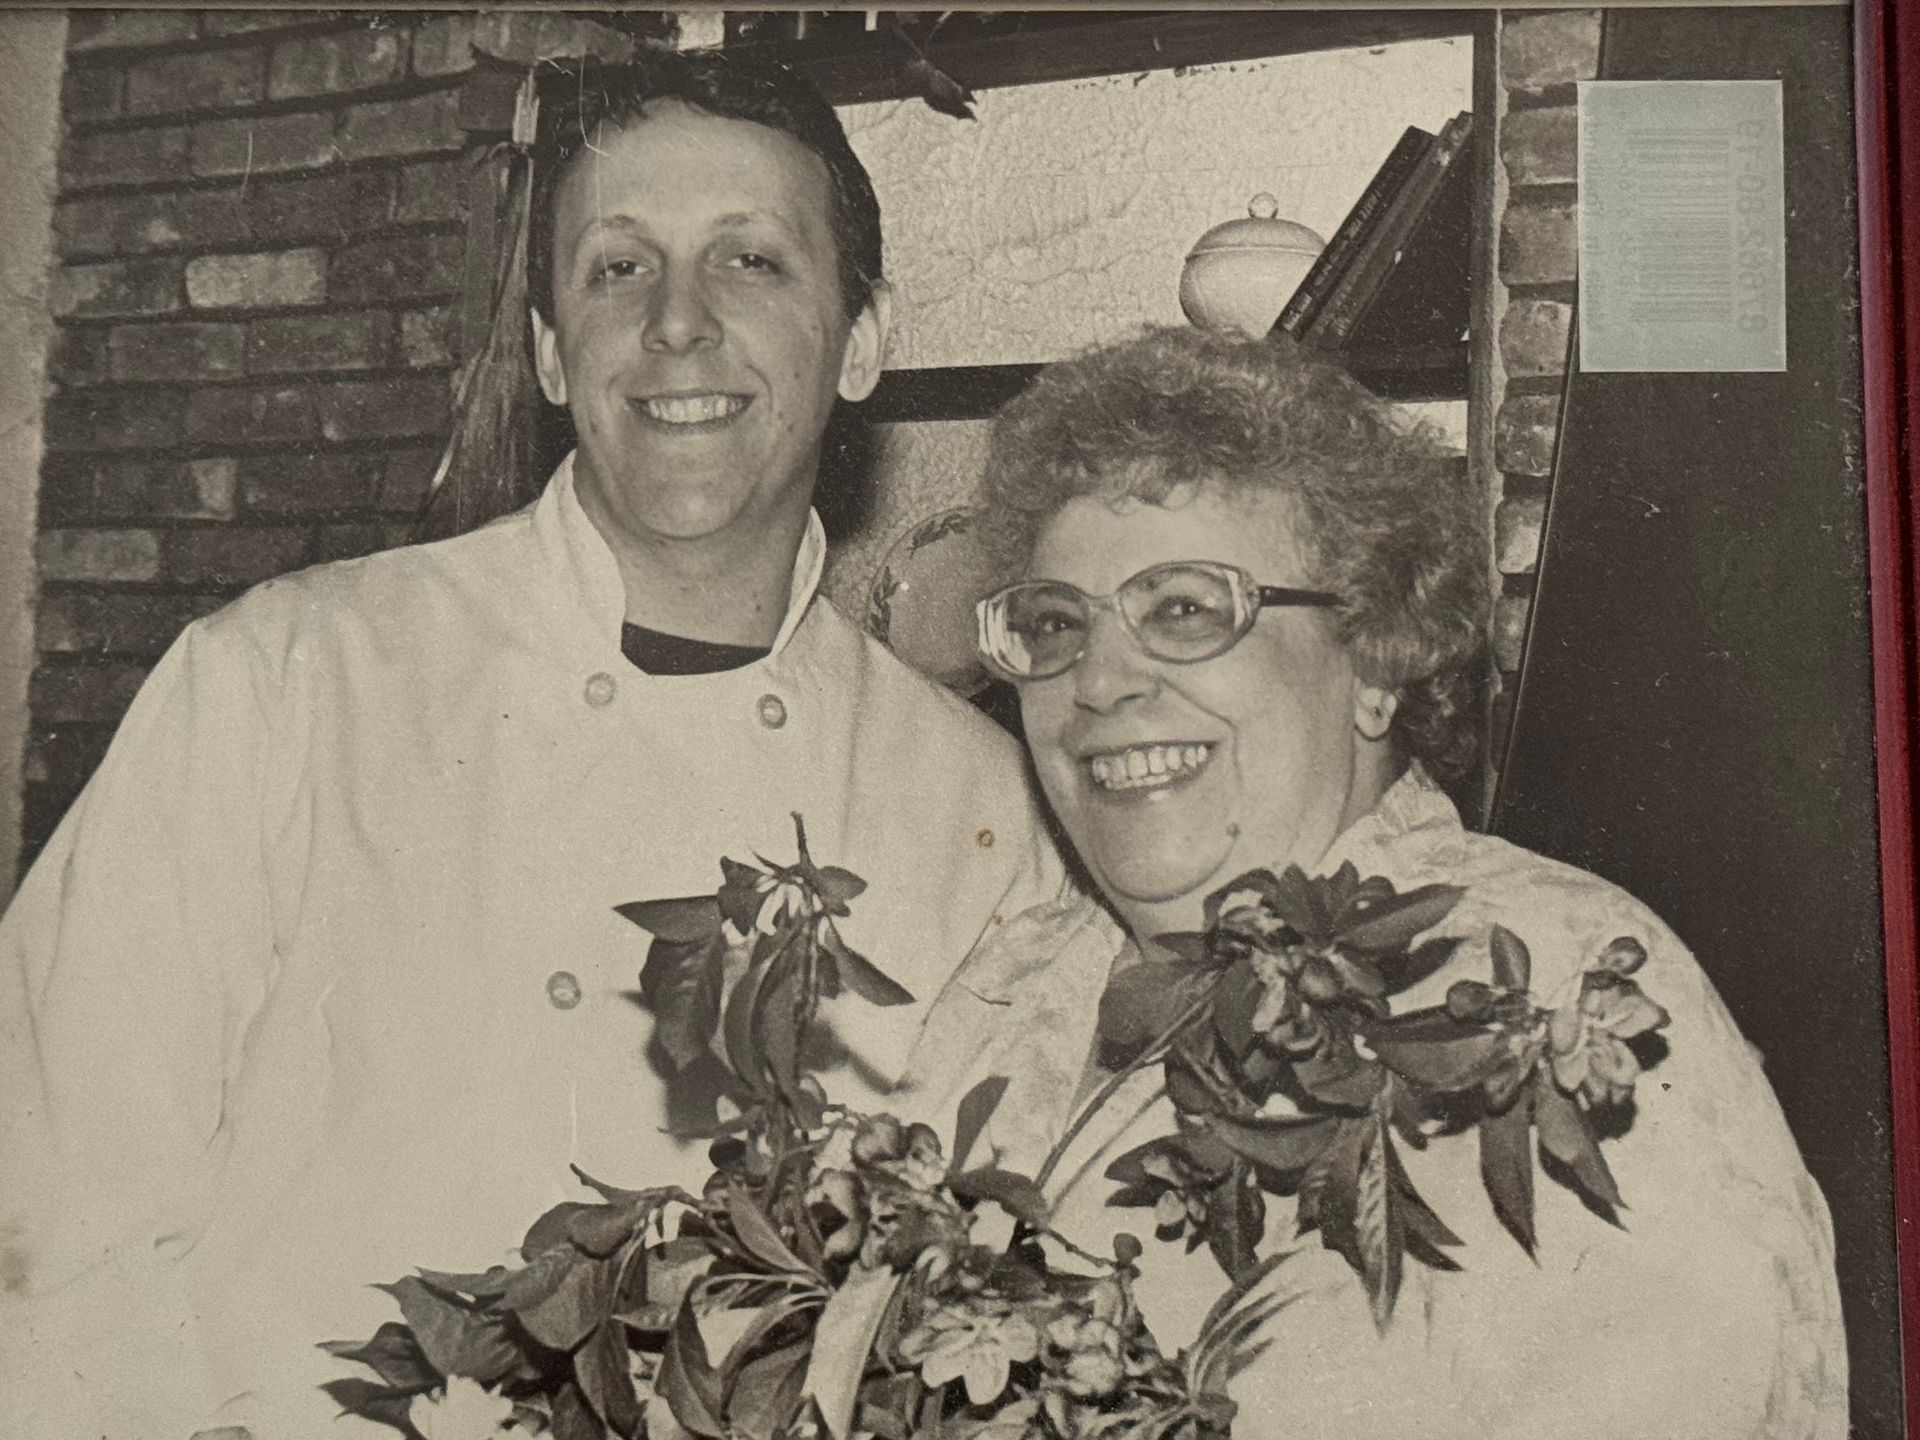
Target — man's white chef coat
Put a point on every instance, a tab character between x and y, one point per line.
321	979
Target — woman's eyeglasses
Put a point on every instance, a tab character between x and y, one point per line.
1184	611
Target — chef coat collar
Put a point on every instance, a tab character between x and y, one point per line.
580	556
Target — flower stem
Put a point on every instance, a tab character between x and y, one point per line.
1154	1051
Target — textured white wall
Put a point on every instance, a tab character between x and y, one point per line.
1060	217
32	60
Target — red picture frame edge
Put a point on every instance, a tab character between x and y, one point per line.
1887	134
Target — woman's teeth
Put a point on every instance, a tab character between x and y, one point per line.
1145	767
693	409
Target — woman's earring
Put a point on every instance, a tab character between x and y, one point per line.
1374	710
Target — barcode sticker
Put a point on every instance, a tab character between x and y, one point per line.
1682	226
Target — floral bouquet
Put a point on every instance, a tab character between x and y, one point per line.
1292	1076
827	1280
824	1280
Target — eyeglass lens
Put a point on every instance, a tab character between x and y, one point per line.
1176	612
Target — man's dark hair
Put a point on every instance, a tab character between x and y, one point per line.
577	97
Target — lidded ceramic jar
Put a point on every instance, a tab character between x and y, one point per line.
1240	275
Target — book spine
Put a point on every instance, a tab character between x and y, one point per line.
1342	309
1326	269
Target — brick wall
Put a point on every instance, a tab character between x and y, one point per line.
1541	58
260	235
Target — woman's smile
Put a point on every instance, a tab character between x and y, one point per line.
1148	770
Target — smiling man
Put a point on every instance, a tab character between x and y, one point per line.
321	979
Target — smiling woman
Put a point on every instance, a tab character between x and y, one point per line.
1196	745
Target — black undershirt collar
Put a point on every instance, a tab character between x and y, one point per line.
658	653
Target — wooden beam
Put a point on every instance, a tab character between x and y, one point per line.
873	69
948	392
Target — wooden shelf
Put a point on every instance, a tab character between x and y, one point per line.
851	70
854	70
946	392
975	392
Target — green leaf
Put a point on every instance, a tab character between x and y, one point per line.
356	1395
1427	1235
743	1052
573	1417
1337	1076
1299	901
1188	947
758	1234
1234	1007
1326	1194
1379	1230
690	921
740	896
1565	1136
1131	1168
605	1377
1016	1194
1512	961
455	1339
487	1285
766	1395
602	1229
767	1318
1217	1350
549	1232
860	974
648	1199
1202	1151
838	887
1404	969
686	1380
1283	1145
842	1345
1506	1167
1436	1051
583	1299
392	1354
681	985
777	1018
673	1269
1392	924
1141	1002
1188	1092
1236	1221
976	1108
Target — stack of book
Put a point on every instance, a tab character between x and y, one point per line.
1393	277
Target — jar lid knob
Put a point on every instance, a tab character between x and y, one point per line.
1263	206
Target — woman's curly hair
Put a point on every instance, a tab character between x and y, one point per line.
1385	518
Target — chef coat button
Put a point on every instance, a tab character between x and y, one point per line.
600	688
773	712
563	990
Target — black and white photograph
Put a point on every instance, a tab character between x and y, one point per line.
982	724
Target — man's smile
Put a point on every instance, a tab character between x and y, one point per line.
704	408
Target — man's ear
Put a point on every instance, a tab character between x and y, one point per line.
546	360
867	345
1373	710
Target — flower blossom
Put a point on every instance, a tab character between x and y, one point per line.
784	898
1586	1041
1091	1366
977	1339
841	1191
465	1410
